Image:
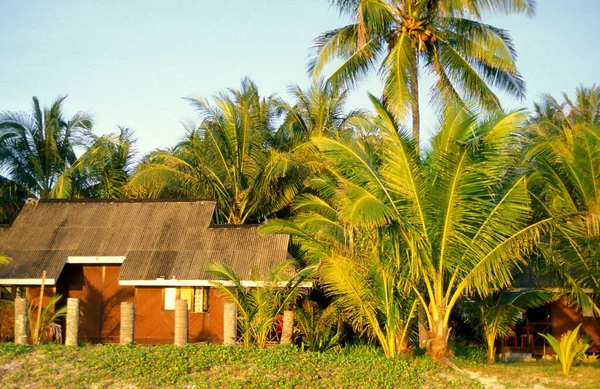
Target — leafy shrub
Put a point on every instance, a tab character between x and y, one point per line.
50	330
569	349
475	354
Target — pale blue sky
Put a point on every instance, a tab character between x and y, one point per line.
131	62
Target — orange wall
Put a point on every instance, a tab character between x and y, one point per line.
154	324
565	318
100	296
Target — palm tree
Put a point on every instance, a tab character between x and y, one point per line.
259	306
494	315
445	38
37	148
387	224
320	328
564	156
316	111
229	158
102	171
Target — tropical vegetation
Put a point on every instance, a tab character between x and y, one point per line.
568	349
404	39
258	307
496	315
385	225
390	228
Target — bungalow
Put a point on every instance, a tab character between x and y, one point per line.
151	253
554	318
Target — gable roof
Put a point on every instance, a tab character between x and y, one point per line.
170	239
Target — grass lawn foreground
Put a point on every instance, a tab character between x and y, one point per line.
201	366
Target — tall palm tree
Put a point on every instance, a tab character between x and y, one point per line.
230	157
445	38
452	224
37	148
564	158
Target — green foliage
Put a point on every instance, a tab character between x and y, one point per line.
493	315
49	329
218	367
444	38
470	354
319	328
102	171
563	156
36	149
228	157
389	228
569	348
259	306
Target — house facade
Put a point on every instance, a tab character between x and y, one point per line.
555	318
146	252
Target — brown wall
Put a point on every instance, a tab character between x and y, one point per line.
33	294
154	324
100	295
97	288
565	318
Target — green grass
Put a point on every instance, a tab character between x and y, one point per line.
216	366
201	366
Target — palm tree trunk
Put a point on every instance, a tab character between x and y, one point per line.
438	335
414	91
491	348
438	341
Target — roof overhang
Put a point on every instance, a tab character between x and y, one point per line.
95	260
163	283
73	260
26	281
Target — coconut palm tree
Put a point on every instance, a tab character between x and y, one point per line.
316	111
403	38
230	157
102	171
494	315
564	156
37	148
387	224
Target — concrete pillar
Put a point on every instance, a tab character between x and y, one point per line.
287	327
229	324
21	328
126	334
72	338
181	322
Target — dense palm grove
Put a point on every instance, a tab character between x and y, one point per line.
396	232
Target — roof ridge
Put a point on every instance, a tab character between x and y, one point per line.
125	200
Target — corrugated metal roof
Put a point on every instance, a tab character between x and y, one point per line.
169	239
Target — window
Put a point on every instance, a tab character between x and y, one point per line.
196	297
200	299
170	295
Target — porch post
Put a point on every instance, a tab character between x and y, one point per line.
287	327
181	322
72	336
21	328
127	333
229	324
